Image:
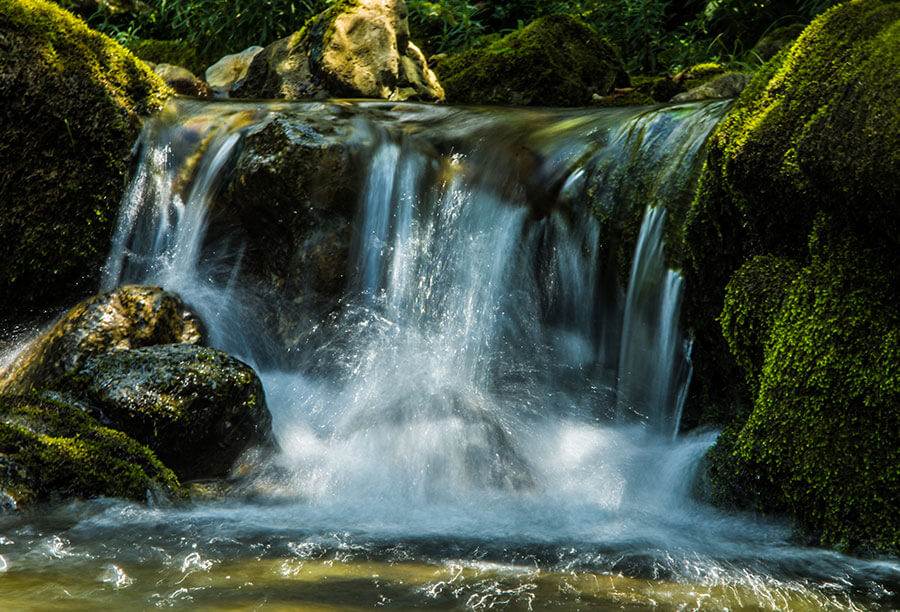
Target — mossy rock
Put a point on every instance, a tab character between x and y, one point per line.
175	52
822	443
816	131
54	448
129	317
198	409
554	61
72	106
753	298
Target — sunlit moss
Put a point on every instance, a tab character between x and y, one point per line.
57	448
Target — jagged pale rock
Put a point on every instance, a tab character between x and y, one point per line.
350	50
230	71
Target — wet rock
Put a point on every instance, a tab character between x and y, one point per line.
182	80
554	61
229	72
53	447
353	49
293	199
728	85
126	318
73	102
198	409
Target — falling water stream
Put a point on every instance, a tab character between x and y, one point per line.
486	417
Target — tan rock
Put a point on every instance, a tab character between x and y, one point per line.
228	72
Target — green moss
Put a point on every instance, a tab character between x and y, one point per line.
554	61
175	52
55	448
73	102
753	298
822	443
817	131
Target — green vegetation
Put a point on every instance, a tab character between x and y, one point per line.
792	244
73	102
554	61
652	36
51	447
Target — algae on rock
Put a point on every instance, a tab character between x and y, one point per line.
554	61
117	393
71	102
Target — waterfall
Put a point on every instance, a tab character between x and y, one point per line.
482	308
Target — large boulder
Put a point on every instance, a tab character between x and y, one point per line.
126	318
822	442
292	198
358	49
117	399
554	61
818	130
72	102
792	244
196	408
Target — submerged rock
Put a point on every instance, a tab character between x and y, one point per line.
72	106
353	49
806	170
554	61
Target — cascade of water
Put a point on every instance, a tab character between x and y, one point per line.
654	367
478	313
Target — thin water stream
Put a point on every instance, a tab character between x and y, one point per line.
485	416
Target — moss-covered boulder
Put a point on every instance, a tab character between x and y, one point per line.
71	102
817	130
554	61
117	399
126	318
196	408
52	447
822	443
355	48
792	246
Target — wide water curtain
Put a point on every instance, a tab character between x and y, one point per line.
473	299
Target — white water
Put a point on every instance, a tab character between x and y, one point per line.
483	393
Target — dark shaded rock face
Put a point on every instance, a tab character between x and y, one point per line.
117	399
196	408
792	245
554	61
71	102
292	199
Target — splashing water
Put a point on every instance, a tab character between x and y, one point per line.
486	416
